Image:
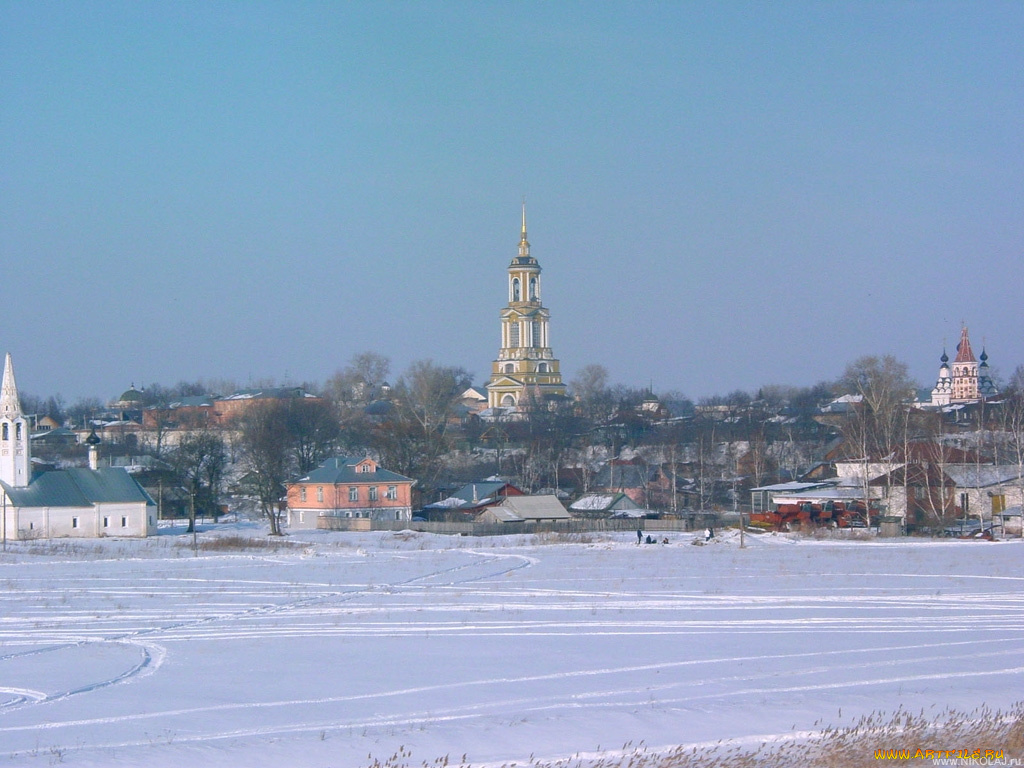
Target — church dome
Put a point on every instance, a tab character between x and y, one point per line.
131	397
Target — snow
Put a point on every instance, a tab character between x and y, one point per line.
336	646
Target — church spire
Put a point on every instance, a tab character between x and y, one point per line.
10	403
964	354
524	244
15	448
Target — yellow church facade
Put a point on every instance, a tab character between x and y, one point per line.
526	372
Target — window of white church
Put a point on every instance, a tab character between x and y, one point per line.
6	434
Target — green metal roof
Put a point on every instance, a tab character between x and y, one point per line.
79	488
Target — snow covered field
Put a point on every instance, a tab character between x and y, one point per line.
340	646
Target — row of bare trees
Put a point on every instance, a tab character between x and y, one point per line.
411	426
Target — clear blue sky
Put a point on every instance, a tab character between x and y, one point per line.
722	195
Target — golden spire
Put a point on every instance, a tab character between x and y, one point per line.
524	245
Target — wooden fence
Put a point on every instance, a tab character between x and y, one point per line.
694	522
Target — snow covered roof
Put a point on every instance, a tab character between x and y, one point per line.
596	502
975	476
821	494
449	503
631	513
275	393
792	486
536	507
501	514
475	393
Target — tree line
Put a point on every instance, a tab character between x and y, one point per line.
414	426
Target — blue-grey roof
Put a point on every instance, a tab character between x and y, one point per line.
192	401
79	488
479	491
342	469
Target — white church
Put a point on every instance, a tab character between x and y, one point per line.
967	381
79	502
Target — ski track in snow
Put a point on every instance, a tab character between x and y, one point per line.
153	655
881	636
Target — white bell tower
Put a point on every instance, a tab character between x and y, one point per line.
15	446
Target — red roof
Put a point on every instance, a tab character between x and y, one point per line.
963	349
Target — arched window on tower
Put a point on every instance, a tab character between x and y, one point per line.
17	431
509	368
542	368
515	289
513	334
6	433
508	401
533	289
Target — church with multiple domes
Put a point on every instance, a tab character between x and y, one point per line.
968	380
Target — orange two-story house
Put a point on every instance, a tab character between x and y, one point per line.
347	487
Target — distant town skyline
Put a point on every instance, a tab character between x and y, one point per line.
721	196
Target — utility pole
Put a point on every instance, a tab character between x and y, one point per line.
192	522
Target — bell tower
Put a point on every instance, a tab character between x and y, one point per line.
526	369
15	446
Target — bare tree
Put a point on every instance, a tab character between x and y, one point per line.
877	423
314	428
199	462
266	455
1013	425
360	380
590	389
428	392
411	435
